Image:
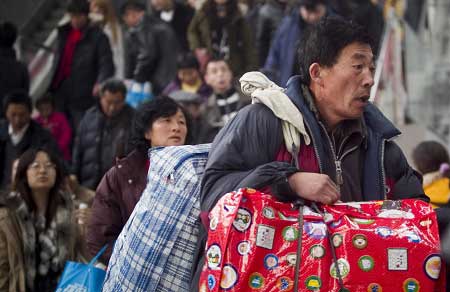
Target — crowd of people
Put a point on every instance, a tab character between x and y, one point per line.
74	162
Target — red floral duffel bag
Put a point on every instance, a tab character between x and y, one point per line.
254	244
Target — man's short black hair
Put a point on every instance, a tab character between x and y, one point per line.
187	61
135	5
215	59
114	86
323	42
17	97
78	7
8	34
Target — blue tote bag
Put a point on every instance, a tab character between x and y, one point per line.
139	93
82	277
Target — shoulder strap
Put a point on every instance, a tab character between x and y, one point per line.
99	254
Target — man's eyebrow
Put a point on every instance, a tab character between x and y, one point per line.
359	56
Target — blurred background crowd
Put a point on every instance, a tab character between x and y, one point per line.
72	140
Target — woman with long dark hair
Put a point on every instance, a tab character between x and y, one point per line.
161	122
37	234
218	30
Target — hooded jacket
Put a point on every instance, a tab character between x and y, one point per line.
237	159
245	153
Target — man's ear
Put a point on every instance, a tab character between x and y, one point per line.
315	73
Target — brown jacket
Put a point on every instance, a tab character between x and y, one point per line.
12	269
243	55
13	257
118	192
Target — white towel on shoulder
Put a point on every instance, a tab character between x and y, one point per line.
262	90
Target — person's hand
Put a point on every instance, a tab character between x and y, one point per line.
315	187
96	90
82	216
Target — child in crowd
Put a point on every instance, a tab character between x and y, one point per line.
56	123
432	161
226	100
188	78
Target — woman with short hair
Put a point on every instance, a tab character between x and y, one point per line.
160	122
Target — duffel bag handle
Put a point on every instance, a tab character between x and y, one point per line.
99	254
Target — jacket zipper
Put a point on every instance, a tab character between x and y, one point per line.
337	159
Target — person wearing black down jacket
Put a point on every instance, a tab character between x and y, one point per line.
102	135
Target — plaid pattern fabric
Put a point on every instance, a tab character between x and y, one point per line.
156	248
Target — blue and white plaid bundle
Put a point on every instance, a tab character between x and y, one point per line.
155	250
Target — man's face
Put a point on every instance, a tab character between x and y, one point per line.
188	75
78	21
112	103
344	88
159	5
132	17
219	76
18	116
314	15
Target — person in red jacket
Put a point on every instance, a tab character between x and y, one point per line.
56	123
161	122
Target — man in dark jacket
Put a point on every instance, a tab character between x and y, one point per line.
83	61
19	132
103	134
281	61
13	74
269	18
178	15
351	156
151	47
